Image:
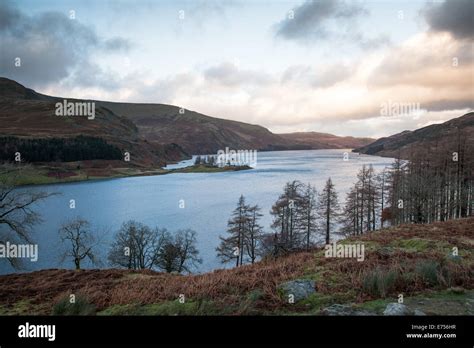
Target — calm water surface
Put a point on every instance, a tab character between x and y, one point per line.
209	200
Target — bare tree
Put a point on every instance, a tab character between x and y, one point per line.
245	234
307	214
286	216
17	214
328	208
178	253
136	246
81	240
232	247
254	233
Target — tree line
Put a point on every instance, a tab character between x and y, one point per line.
299	215
430	185
135	246
79	148
436	184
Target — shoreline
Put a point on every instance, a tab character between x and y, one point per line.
36	174
37	178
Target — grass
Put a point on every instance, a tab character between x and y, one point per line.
22	307
428	271
441	302
38	174
80	306
167	308
379	282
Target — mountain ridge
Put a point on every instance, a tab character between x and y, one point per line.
403	144
194	132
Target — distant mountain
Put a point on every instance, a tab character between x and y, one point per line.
26	113
155	133
201	134
315	140
195	132
403	144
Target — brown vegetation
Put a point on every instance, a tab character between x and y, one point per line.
398	250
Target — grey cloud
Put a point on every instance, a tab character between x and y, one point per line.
316	20
117	44
8	16
444	104
454	16
316	77
50	45
230	75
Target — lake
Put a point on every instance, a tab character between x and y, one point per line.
209	200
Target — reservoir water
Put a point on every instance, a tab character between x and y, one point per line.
209	199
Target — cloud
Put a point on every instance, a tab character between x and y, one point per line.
51	47
453	16
117	44
438	81
327	19
229	74
316	77
311	19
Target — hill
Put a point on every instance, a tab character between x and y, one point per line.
315	140
445	135
25	113
195	132
415	260
150	128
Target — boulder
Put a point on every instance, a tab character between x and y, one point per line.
396	309
419	313
299	288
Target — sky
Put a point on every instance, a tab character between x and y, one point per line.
333	66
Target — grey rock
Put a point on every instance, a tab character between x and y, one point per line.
418	312
339	309
396	309
299	288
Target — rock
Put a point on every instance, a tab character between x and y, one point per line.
470	306
418	312
396	309
339	309
299	288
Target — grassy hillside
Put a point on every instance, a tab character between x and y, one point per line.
195	132
437	136
315	140
27	114
413	260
